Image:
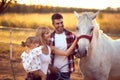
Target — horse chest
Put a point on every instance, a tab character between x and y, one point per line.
91	68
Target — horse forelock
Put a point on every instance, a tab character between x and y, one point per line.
84	19
96	31
86	15
85	24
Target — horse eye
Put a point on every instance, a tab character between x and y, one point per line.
77	28
91	30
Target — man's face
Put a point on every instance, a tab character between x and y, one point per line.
59	26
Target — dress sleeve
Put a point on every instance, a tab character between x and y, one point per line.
36	51
22	56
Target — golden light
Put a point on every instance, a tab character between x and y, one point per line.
98	4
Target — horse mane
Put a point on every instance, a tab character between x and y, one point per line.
102	40
99	32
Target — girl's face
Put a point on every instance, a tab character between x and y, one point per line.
34	45
46	36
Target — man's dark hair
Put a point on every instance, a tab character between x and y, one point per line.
56	16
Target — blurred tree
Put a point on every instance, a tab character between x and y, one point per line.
5	3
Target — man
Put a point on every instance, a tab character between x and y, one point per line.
61	39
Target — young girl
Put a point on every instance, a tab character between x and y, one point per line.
44	51
30	59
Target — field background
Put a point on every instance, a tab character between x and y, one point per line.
17	27
109	22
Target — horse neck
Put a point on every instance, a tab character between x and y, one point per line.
100	44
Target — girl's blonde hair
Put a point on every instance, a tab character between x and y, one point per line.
29	40
40	33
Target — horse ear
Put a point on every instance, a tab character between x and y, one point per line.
76	14
93	16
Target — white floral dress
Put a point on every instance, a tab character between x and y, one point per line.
36	60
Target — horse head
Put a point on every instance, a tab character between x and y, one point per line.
85	28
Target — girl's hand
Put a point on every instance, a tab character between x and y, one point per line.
43	77
77	38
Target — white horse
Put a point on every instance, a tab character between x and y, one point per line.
102	60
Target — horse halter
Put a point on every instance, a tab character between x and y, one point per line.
85	36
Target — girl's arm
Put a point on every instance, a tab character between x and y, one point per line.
43	76
64	53
40	74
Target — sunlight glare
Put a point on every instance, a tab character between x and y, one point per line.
98	4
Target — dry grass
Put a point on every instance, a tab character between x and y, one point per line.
108	22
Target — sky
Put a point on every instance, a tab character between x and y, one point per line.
90	4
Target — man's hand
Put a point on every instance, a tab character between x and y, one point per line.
54	69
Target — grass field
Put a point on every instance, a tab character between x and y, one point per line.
109	22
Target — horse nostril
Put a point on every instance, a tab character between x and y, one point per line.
85	52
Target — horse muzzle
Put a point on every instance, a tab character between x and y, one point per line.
83	42
82	53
